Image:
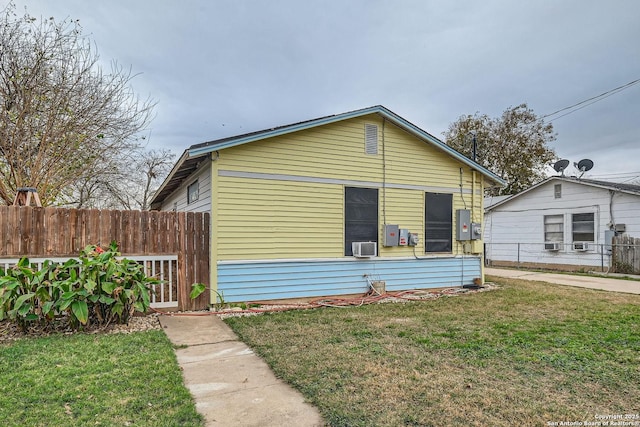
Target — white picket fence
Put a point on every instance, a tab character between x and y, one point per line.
161	267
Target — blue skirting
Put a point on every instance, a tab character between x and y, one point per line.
277	279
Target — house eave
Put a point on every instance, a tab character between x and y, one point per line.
184	167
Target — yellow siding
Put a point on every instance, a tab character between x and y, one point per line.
330	151
274	219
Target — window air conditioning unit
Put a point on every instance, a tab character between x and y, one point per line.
364	249
552	246
581	246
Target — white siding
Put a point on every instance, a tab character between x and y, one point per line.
514	231
203	204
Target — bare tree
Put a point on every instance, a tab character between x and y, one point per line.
61	117
515	145
126	183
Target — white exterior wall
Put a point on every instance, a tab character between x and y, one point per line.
514	231
203	204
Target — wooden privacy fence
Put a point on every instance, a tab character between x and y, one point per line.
626	254
56	232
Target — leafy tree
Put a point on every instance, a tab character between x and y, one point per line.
514	146
61	118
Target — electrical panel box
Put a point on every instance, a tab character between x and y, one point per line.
390	235
404	237
413	239
476	231
463	224
608	239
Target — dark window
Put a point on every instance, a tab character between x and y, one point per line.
193	192
438	222
582	227
360	216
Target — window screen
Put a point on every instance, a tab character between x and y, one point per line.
438	220
360	216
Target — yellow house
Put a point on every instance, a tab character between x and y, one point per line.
325	206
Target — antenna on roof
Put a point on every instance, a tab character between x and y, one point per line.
560	166
583	166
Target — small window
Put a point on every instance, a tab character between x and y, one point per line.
557	191
554	228
193	192
370	139
582	227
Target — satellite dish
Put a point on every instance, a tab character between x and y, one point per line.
585	165
561	165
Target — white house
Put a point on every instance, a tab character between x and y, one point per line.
561	223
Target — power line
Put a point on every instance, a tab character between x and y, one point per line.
592	100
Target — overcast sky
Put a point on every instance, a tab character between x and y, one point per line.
222	68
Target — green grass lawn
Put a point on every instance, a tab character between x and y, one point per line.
94	380
527	353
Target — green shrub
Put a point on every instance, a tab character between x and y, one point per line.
98	288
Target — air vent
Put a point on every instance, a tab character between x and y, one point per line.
552	246
364	249
370	139
581	246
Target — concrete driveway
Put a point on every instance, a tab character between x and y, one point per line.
604	283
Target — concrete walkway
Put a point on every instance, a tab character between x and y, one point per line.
605	284
230	384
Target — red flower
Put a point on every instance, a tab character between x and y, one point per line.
99	249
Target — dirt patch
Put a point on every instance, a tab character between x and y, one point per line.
10	331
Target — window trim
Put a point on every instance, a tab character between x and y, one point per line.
448	228
350	222
546	232
593	227
193	192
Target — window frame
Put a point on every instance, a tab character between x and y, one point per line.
547	232
361	220
193	192
442	227
583	222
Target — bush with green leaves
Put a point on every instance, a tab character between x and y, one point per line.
99	288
